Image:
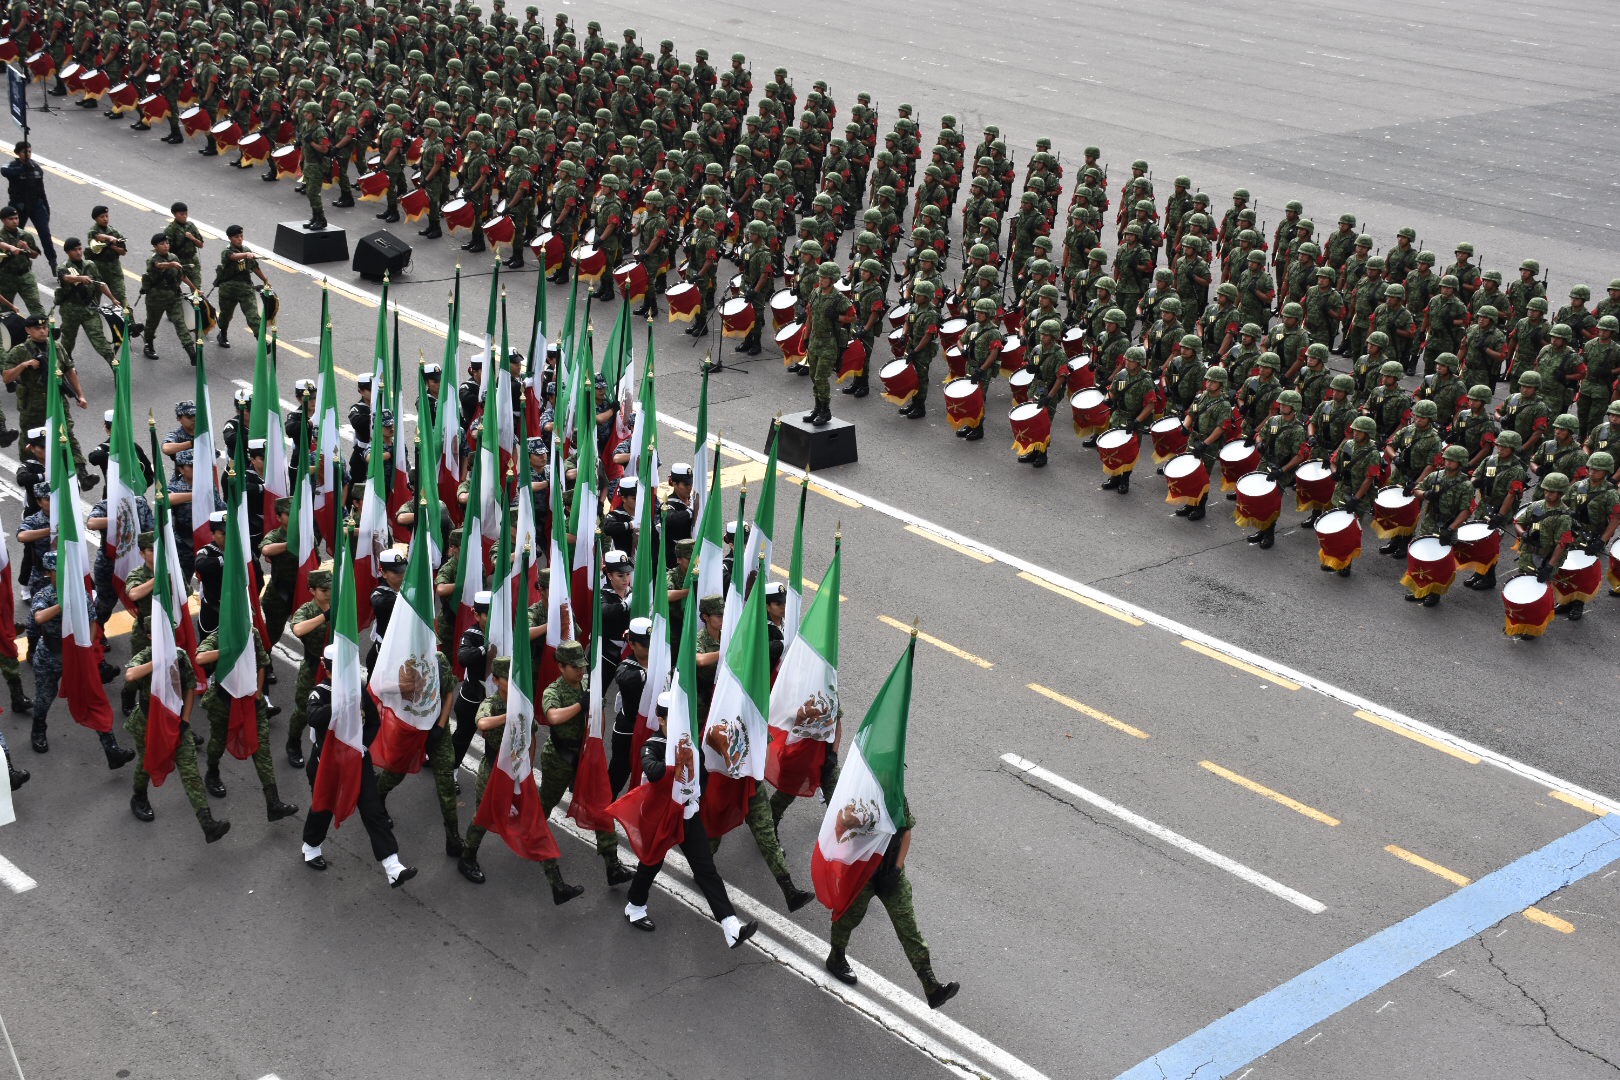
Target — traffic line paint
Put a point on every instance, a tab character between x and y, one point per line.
1578	803
945	646
12	1050
1086	710
736	450
829	493
810	586
1259	1027
960	549
295	350
1535	915
1230	660
1095	605
13	877
1174	839
1433	744
1267	793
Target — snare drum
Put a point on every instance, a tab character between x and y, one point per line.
951	331
195	120
551	250
414	205
1169	439
1012	319
852	363
1020	383
1430	567
1031	428
1090	410
227	134
783	306
590	263
897	342
70	75
734	286
1118	450
1338	535
1080	376
899	380
41	65
459	214
153	107
498	231
371	186
736	316
1012	353
897	316
1238	459
93	84
1259	502
956	363
289	160
255	148
791	340
1187	480
631	278
1579	578
124	95
1074	343
1478	547
1395	513
1313	487
964	403
9	50
684	302
1527	607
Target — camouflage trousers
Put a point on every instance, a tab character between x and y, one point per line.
902	913
823	364
762	823
235	295
185	761
607	844
218	707
1590	409
168	305
82	316
442	761
300	710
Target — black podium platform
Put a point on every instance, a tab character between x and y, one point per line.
815	448
294	242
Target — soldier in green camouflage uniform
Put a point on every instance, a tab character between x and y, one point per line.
311	624
1330	422
441	757
165	272
1388	404
1499	479
1546	530
1526	412
316	144
1358	467
1409	454
1559	365
827	312
79	287
1208	421
138	675
1445	322
1283	449
1602	357
1132	396
922	345
238	266
1444	388
1324	306
26	371
1448	497
1562	452
217	704
1606	436
18	249
562	709
1594	503
1530	335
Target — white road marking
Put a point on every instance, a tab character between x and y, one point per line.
13	1050
13	877
1163	622
1174	839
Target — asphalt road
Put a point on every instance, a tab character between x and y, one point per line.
1084	943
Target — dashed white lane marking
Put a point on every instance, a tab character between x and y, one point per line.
13	877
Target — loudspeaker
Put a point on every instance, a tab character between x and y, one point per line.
381	253
294	242
815	448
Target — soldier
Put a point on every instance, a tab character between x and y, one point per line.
391	146
45	657
107	246
18	249
1526	412
1594	503
1358	468
473	657
828	311
1561	453
441	755
1409	455
1444	322
1606	436
1395	320
922	344
1546	530
702	267
1133	396
1183	375
165	273
1560	367
654	241
1582	323
79	288
1283	448
26	372
1209	422
1484	346
1388	405
185	241
1256	395
1448	497
981	345
1256	291
218	705
1444	388
1499	479
890	885
1602	359
138	678
1324	307
1527	288
238	266
316	144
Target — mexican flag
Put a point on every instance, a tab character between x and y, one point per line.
337	777
399	482
469	564
237	671
757	552
185	627
8	598
375	534
511	804
81	644
559	612
700	446
711	539
794	608
804	701
301	535
126	484
329	480
205	471
265	421
405	679
735	736
490	505
583	573
650	592
592	789
654	814
449	411
166	706
869	804
429	515
501	611
537	333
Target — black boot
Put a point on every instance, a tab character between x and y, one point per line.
391	217
1197	511
919	409
8	436
452	843
18	777
20	701
974	433
1109	484
141	807
838	965
795	897
295	754
212	830
1396	547
1268	537
213	784
516	261
117	756
937	993
563	892
149	351
1482	582
560	277
1039	460
38	739
469	869
223	338
617	872
274	808
862	388
343	202
1577	610
1124	483
702	326
432	232
476	244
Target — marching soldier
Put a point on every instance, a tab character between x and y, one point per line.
238	266
1409	455
79	288
26	372
1358	467
1283	449
45	657
922	344
1133	395
1209	422
165	273
1594	503
1448	497
1499	479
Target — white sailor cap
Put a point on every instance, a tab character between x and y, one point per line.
217	518
107	416
627	485
775	590
640	628
680	471
391	557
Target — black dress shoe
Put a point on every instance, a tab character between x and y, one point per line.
317	863
1109	484
1412	598
745	933
643	923
1268	539
1432	600
1196	514
141	807
142	126
974	434
404	876
1255	538
839	967
470	870
431	233
1183	511
392	218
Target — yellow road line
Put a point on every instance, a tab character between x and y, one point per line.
1095	605
960	654
1534	914
810	586
1579	803
346	373
127	202
1232	661
119	623
826	493
1433	744
1275	796
1086	710
918	530
749	472
295	350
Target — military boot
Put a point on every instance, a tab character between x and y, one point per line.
212	830
795	897
274	808
937	993
20	701
838	965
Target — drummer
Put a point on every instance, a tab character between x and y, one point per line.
1594	503
870	304
1474	428
1546	530
1208	421
653	243
1258	393
1283	449
981	345
1561	453
1133	396
1499	479
702	265
1409	456
1448	498
1388	405
1329	425
922	343
1051	368
1359	467
1183	376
